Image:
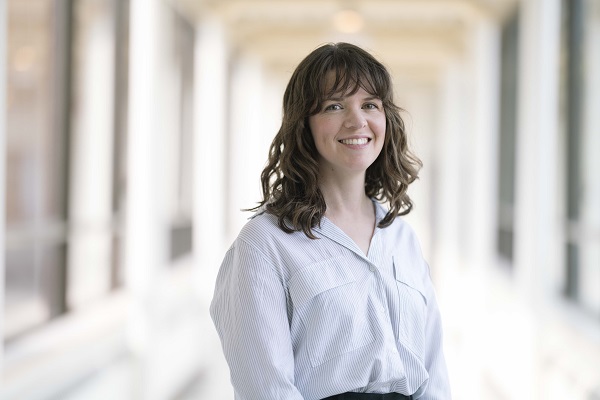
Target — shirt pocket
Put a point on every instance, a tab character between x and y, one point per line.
335	318
412	306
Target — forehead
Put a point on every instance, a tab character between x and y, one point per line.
360	93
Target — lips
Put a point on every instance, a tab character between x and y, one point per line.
358	141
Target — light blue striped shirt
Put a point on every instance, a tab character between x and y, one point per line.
300	318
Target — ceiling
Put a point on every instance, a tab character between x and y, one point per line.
416	36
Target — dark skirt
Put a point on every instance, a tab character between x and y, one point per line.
368	396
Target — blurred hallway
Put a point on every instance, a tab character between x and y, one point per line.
134	131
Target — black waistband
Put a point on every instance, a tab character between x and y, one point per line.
369	396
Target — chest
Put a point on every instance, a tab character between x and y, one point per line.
344	302
360	230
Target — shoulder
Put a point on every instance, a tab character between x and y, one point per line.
399	229
402	241
404	235
260	230
404	230
248	259
264	236
285	252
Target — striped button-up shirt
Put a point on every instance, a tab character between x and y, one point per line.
303	318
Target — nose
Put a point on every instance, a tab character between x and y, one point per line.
355	119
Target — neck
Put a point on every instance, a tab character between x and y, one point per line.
345	196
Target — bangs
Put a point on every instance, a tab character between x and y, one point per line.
342	81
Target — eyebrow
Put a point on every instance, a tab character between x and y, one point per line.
342	98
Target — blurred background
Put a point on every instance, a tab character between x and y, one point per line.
133	132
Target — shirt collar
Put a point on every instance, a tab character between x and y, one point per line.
331	231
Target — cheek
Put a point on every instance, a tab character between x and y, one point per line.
317	137
382	126
313	126
321	129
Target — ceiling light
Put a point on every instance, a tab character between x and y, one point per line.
348	21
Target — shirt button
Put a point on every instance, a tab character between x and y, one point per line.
372	268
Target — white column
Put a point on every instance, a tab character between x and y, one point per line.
537	221
90	196
482	145
146	230
447	157
210	139
420	102
457	285
247	151
590	212
3	62
479	171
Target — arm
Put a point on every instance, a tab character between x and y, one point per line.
438	387
249	310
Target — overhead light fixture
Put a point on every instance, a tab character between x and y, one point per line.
348	21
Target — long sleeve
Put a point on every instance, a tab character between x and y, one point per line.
249	310
438	386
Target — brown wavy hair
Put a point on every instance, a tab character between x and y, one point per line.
290	178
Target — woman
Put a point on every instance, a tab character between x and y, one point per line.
325	294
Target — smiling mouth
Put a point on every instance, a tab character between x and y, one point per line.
355	141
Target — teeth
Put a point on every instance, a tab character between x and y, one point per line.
355	141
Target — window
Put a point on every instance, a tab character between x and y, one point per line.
581	101
37	163
98	128
121	102
182	68
50	111
507	136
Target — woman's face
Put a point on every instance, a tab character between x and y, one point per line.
348	132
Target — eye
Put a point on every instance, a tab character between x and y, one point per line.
371	106
333	107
